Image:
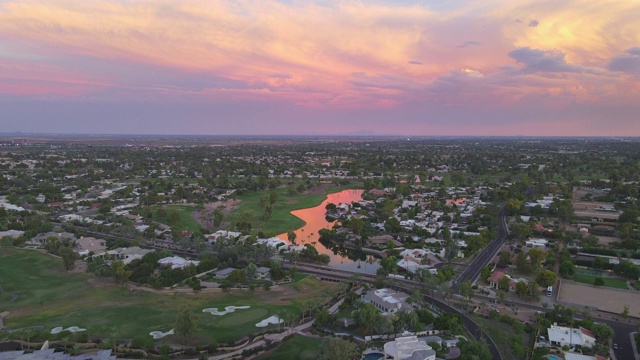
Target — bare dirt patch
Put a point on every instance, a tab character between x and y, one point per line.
607	299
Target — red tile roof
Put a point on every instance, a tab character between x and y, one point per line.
587	332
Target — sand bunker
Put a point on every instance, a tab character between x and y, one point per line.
270	320
159	334
73	329
227	310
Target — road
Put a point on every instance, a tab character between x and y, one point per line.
472	272
405	286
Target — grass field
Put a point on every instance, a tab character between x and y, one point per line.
281	219
610	282
49	296
296	348
187	222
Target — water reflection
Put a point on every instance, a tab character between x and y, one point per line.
315	220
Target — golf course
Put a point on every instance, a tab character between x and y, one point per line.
37	291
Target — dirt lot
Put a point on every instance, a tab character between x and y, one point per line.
588	208
608	299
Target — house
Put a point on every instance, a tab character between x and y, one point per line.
576	356
11	233
387	301
383	240
85	245
224	273
561	336
263	273
450	343
44	238
497	276
176	262
537	243
408	347
126	255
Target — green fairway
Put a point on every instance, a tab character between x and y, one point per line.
186	221
610	282
281	219
51	297
296	348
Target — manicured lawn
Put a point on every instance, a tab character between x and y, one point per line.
296	348
49	296
610	282
281	219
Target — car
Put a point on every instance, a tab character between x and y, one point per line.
615	346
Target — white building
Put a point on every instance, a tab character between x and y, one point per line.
561	336
409	347
537	243
176	262
387	301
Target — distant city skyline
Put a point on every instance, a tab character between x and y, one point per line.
458	68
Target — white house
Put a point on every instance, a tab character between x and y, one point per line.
176	262
409	347
537	243
387	301
561	336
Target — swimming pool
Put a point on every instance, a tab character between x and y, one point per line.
552	357
374	356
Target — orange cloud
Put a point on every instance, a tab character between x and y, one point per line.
308	53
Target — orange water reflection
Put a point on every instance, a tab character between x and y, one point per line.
315	221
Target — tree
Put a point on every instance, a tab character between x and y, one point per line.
252	269
335	348
536	256
474	350
291	236
68	257
504	259
546	278
522	289
485	273
450	245
625	312
120	274
503	284
567	269
522	265
218	216
237	276
603	332
185	326
466	289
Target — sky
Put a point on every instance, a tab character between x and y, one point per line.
259	67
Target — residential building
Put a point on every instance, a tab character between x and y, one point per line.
536	243
85	245
576	356
408	348
561	336
387	301
126	255
176	262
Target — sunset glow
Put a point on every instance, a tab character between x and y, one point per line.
321	67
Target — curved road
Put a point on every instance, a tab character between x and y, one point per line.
406	286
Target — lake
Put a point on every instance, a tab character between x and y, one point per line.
315	220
